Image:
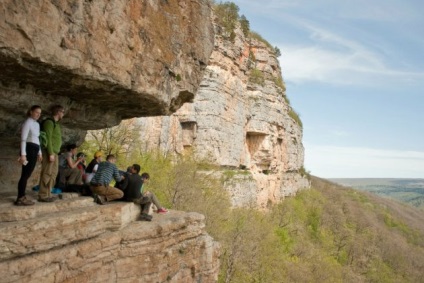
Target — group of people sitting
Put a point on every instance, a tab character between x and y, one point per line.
129	185
69	172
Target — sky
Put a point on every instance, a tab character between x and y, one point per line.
354	72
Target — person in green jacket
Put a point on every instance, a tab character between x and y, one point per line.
50	164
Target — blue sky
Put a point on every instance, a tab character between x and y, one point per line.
354	71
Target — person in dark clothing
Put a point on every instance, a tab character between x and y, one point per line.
91	169
134	191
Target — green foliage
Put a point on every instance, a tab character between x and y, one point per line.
295	117
324	234
258	37
227	17
244	25
304	173
280	83
257	77
321	235
277	51
121	140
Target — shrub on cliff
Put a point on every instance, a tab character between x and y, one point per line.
257	77
227	17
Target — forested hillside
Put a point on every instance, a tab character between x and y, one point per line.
328	233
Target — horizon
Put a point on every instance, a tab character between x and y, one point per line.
356	78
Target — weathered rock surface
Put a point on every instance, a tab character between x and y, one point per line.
92	243
238	120
103	60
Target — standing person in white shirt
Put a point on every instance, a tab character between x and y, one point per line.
30	152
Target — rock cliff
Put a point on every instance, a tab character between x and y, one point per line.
239	119
103	60
76	240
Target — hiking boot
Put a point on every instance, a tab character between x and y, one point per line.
146	217
100	200
47	199
23	201
162	211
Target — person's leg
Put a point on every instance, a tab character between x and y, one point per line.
113	193
49	172
74	176
155	201
32	153
108	193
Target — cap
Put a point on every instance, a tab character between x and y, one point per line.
98	154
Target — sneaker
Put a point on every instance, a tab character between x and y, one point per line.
146	217
162	211
23	201
100	199
47	199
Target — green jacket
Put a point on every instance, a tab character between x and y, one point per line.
54	136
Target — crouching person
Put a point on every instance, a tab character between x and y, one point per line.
99	185
133	187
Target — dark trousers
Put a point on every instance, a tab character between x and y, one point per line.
32	150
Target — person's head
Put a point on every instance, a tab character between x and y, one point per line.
34	112
72	148
135	168
81	155
58	112
111	158
98	155
145	176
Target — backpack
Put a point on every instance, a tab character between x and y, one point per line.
43	135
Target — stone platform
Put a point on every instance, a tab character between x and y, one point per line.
76	240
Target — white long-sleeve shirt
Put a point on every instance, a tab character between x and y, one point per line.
30	133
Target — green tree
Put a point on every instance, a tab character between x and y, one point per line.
228	17
277	51
245	25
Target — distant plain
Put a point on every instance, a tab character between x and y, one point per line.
410	191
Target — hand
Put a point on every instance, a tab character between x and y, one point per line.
51	158
22	159
40	157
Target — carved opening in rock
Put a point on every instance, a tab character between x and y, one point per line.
258	152
189	130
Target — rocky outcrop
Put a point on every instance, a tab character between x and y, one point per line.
76	240
103	60
239	119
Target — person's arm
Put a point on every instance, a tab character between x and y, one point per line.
48	126
72	163
116	174
124	185
95	168
24	136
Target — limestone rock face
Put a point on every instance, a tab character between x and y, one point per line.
104	61
239	119
76	240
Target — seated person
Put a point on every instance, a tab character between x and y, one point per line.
134	191
92	167
81	166
100	184
69	174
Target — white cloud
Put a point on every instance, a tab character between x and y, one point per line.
357	162
315	63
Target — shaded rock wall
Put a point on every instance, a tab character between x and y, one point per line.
103	60
239	119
